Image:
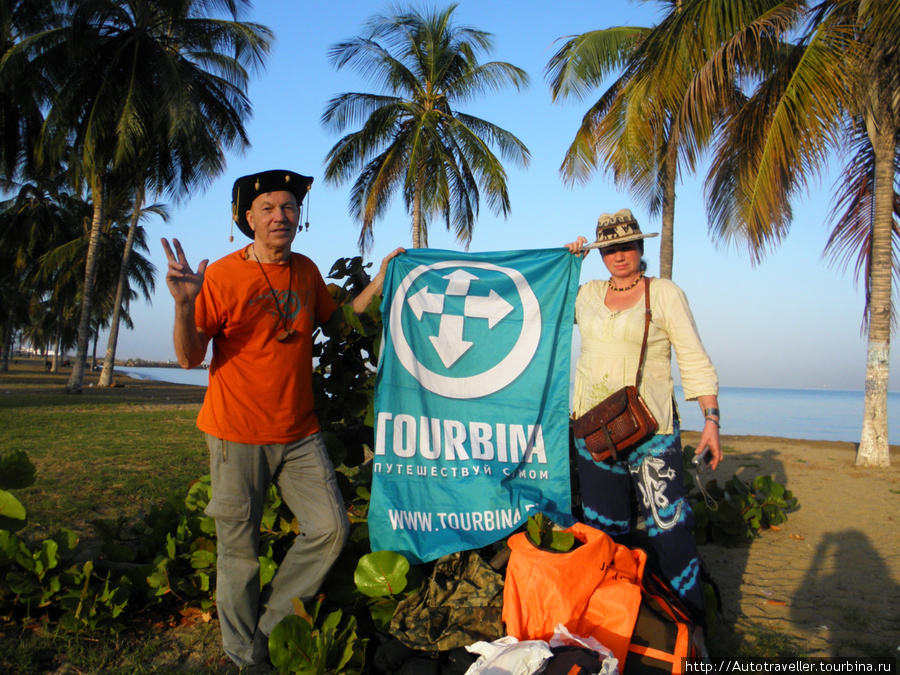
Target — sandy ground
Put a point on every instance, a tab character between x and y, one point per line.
830	576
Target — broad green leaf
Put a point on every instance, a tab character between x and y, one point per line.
293	647
170	546
16	471
159	580
51	588
533	527
354	660
69	622
562	541
66	541
47	558
202	559
331	623
22	585
25	558
199	494
119	597
208	526
381	573
382	611
10	507
267	569
10	544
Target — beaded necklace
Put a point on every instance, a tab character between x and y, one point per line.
627	288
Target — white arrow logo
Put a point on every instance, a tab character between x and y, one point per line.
449	342
423	301
493	308
458	282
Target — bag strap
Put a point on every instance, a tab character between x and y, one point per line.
610	446
647	316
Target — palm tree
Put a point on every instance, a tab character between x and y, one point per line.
662	111
62	269
20	114
614	136
32	222
38	329
135	236
413	138
835	87
134	76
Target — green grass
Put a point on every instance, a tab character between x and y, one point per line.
196	651
107	453
770	644
103	454
104	461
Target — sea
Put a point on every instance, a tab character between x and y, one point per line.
808	414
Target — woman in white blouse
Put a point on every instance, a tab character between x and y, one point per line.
610	316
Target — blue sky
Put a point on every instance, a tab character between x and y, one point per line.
792	321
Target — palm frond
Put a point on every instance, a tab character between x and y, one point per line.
584	61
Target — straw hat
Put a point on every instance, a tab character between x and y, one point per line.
618	228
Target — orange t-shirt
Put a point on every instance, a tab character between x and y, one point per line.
260	390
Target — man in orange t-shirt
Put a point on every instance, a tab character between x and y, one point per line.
259	306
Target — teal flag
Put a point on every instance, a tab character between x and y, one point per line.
471	398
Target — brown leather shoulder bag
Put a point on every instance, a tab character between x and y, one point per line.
618	423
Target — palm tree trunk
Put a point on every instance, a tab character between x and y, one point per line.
873	446
94	341
667	236
106	377
76	380
57	346
417	219
8	334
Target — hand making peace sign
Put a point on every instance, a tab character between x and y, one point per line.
183	282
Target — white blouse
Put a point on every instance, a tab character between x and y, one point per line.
611	347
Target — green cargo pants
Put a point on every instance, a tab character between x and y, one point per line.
241	476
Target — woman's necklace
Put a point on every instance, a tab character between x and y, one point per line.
627	288
288	331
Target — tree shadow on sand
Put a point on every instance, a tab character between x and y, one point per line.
849	597
816	586
728	564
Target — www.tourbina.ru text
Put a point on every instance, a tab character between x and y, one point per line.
485	521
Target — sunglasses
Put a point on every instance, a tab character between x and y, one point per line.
615	248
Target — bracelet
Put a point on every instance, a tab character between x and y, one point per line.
714	421
711	411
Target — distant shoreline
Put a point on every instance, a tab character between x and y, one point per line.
139	363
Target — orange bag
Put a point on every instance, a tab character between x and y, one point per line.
663	636
593	590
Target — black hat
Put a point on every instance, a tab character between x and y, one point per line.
248	188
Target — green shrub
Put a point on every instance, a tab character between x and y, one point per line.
736	512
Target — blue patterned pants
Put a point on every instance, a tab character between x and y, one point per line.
651	476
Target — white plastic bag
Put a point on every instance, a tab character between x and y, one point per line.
563	638
508	656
